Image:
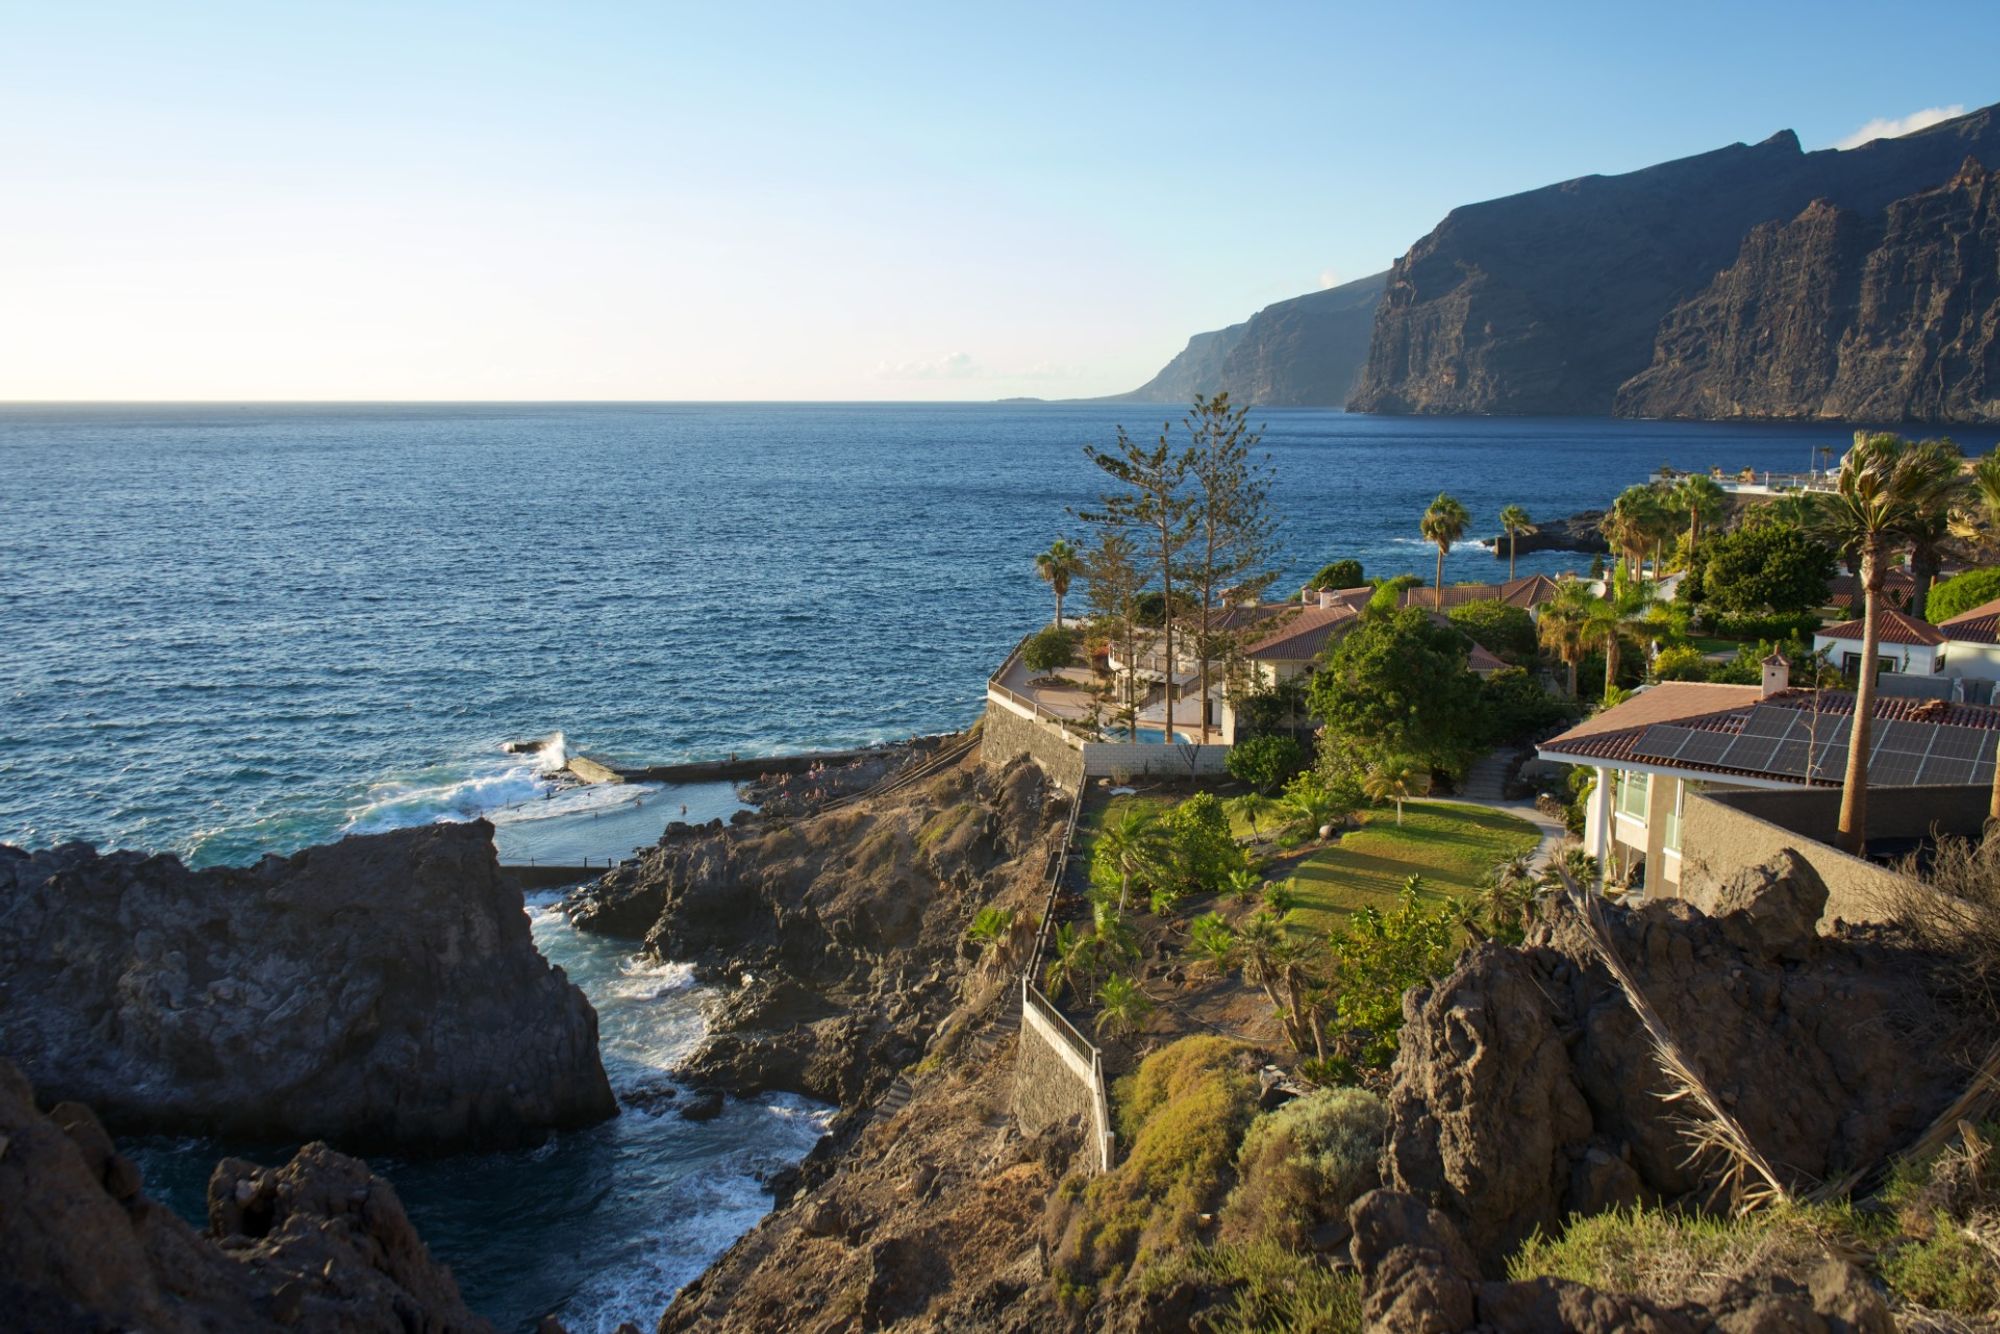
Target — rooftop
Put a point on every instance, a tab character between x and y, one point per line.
1981	625
1526	592
1302	636
1894	627
1789	737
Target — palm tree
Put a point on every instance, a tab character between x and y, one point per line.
1703	501
1263	942
990	926
1514	521
1133	844
1070	951
1885	485
1057	566
1123	1007
1800	509
1391	780
1510	893
1213	937
1308	801
1560	628
1609	619
1444	523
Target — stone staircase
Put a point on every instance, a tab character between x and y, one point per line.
1485	782
982	1048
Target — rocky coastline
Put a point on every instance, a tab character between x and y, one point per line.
381	992
319	1246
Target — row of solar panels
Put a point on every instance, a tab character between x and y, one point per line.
1802	744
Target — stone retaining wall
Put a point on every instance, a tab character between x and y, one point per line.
1007	735
1055	1082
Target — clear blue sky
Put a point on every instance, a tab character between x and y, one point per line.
818	201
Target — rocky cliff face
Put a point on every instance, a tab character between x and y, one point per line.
1549	301
1835	314
840	937
1305	352
319	1246
379	991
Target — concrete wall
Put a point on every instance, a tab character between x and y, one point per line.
1723	832
1109	759
1054	1081
1007	734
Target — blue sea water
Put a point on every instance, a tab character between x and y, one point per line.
227	630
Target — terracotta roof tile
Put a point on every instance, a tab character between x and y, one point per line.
1981	625
1305	634
1900	586
1895	628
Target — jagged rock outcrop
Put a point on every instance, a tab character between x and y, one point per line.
1890	316
1549	301
1526	1090
380	991
1418	1274
319	1246
1304	352
838	937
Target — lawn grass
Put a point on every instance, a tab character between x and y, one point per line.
1710	644
1451	846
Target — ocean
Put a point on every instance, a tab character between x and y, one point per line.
227	630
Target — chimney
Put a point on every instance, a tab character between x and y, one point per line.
1777	675
1327	598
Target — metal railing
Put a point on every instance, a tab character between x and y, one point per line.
1074	731
1103	1139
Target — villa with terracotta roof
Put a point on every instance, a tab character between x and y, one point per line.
1683	736
1529	593
1965	647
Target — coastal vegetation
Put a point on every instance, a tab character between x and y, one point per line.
1444	523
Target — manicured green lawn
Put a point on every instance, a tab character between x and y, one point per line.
1452	847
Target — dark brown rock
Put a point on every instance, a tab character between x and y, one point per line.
379	991
319	1245
1526	1090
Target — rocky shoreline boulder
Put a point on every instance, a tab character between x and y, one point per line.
319	1246
1526	1089
379	992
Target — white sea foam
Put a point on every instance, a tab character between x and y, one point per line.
701	1217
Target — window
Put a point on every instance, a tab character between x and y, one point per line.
1670	838
1633	791
1937	663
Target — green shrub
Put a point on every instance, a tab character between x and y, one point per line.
1961	592
1794	626
1265	761
1946	1271
1507	631
1302	1165
1516	705
1201	849
1684	663
1760	569
1339	574
1378	957
1049	649
1180	1117
1267	1288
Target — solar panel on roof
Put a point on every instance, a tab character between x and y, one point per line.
1961	742
1660	741
1891	769
1750	752
1790	759
1767	721
1945	772
1904	738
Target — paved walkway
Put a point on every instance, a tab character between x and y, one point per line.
1483	786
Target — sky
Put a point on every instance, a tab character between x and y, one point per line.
820	202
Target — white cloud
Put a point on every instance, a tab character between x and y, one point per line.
1328	278
953	366
1885	127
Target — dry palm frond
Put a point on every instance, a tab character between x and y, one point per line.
1974	1104
1749	1179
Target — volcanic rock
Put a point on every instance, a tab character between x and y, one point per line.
380	991
319	1245
1549	301
1526	1089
